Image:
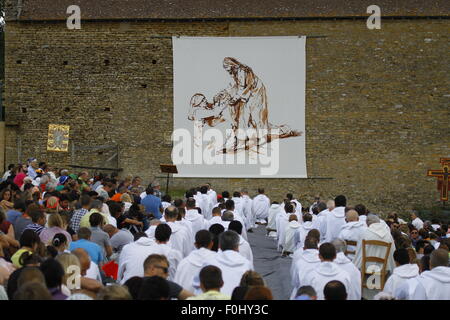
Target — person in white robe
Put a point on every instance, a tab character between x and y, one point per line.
435	283
336	219
375	231
244	247
150	232
216	218
274	212
315	204
327	271
346	264
132	257
237	215
180	238
212	194
191	265
403	271
229	261
319	218
281	223
303	230
192	215
203	201
298	206
304	263
260	208
352	230
247	205
292	228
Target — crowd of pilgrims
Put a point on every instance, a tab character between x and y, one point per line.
66	235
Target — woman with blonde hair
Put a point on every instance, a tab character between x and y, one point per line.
56	225
126	199
70	263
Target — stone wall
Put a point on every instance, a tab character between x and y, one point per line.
377	101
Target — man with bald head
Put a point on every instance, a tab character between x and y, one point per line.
352	230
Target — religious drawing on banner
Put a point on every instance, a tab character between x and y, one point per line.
58	137
243	108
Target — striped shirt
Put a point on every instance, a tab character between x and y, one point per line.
37	228
76	219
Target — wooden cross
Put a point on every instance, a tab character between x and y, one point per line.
443	178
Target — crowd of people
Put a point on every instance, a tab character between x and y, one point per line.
66	235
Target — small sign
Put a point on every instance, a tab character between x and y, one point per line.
58	137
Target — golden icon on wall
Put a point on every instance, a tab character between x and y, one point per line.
58	137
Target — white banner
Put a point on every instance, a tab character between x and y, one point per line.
239	107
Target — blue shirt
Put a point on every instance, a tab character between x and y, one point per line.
152	205
93	249
12	215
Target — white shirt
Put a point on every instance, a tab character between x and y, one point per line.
432	285
335	220
376	231
245	250
190	266
260	206
180	239
352	231
355	275
399	276
132	257
325	272
417	223
197	220
233	266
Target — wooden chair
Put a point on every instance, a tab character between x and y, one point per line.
350	243
366	259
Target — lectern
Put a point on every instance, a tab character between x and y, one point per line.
168	168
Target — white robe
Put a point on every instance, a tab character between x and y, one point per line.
322	223
204	203
247	211
335	220
433	285
400	275
132	257
325	272
282	222
238	217
376	231
289	241
245	250
274	210
233	266
355	275
304	263
190	266
302	232
213	196
352	231
180	239
197	220
216	220
260	208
